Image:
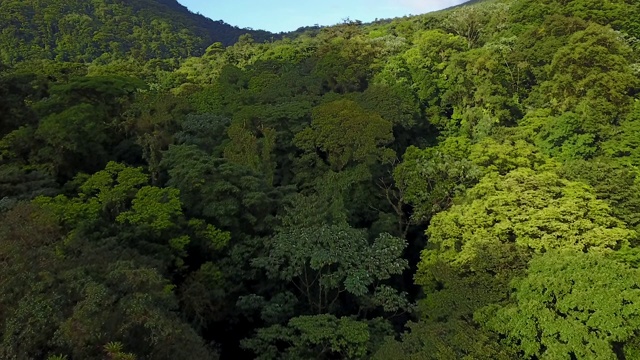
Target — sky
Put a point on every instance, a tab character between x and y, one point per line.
288	15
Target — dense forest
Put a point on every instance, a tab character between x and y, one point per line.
463	184
106	30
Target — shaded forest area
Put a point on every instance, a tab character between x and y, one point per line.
458	185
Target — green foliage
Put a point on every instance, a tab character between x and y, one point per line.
612	181
472	22
82	32
322	263
155	208
483	90
503	157
204	130
562	137
24	183
58	357
78	118
231	195
60	296
104	194
478	245
422	67
562	298
538	212
181	203
429	179
346	133
318	336
14	92
245	149
323	270
114	351
455	339
623	143
592	77
345	45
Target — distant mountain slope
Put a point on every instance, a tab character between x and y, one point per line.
83	30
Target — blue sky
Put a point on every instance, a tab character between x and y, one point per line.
287	15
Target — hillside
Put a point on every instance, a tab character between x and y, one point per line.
74	30
463	184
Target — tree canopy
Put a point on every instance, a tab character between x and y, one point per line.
462	184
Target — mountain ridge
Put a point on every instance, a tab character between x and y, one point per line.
82	31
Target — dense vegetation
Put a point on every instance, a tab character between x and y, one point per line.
457	185
105	30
